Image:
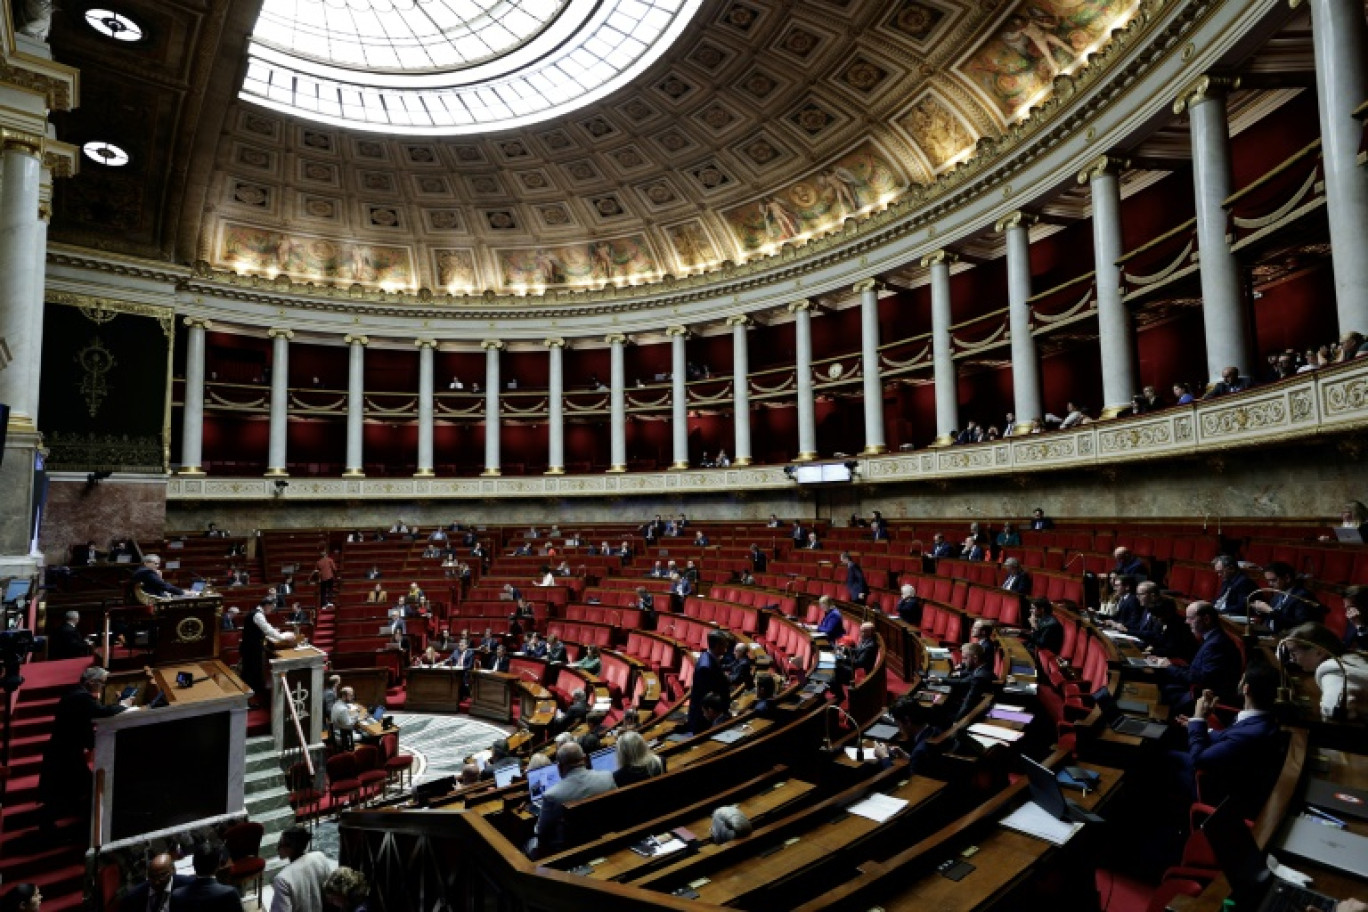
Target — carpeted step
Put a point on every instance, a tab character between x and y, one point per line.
36	707
27	746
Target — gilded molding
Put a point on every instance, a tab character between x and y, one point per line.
1018	219
199	323
33	144
555	342
866	285
616	339
797	306
678	331
425	343
356	340
940	257
1102	166
492	345
1204	87
278	332
739	320
62	159
97	307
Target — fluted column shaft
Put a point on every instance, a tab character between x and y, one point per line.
1224	319
492	348
1026	403
555	428
945	375
280	401
356	406
807	406
1116	329
20	279
35	365
617	404
679	396
875	442
425	461
192	414
1338	39
741	391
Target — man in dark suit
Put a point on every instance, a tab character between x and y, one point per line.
977	680
857	589
1216	666
1046	631
680	589
576	782
863	655
154	894
500	660
67	641
149	577
709	678
1040	522
1236	586
64	781
942	548
1127	564
1290	604
1240	762
909	605
204	893
1130	614
1018	580
758	559
740	672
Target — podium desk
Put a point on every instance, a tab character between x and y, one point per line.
180	766
302	667
491	695
435	689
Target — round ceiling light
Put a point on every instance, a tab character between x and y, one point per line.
105	153
113	25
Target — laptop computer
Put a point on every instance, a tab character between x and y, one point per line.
1123	724
538	781
1339	800
197	586
1045	791
1327	845
1252	884
378	713
504	774
882	731
1348	536
604	760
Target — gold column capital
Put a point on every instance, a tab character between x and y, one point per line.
615	339
1206	86
804	304
677	331
740	320
492	345
277	332
199	323
870	284
425	343
22	141
554	342
351	339
940	257
1018	219
1103	165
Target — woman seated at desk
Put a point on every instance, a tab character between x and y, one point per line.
1341	675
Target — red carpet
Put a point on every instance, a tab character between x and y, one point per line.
1122	893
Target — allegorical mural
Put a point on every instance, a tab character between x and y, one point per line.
589	263
691	243
455	269
937	131
820	201
1037	42
311	257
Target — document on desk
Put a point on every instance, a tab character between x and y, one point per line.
877	807
1034	820
1123	637
989	730
1009	715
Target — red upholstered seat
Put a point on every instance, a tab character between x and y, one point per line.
395	764
344	782
245	864
370	771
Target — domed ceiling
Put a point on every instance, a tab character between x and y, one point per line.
766	122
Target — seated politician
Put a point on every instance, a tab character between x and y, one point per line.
148	577
1215	666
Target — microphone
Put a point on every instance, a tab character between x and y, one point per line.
859	742
1069	563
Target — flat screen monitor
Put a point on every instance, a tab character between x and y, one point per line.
539	780
825	473
504	775
16	589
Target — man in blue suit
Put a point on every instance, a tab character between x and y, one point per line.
709	678
1236	587
154	894
857	590
1240	762
832	625
1215	666
1018	580
205	893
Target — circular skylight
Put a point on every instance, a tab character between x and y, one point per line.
113	25
451	66
105	153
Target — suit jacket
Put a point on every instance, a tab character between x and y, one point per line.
204	894
944	549
979	682
1294	607
68	643
299	885
709	677
1234	594
759	561
1215	666
1019	582
832	625
499	664
741	674
153	584
136	900
580	783
1241	761
1130	614
1048	636
855	584
864	655
910	610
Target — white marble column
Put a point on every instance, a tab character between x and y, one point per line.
875	442
1116	329
425	461
20	282
356	406
1338	37
35	331
1025	362
555	425
945	375
493	462
1224	320
679	395
617	404
280	401
192	413
741	390
807	406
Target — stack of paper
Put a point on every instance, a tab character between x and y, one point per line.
997	732
1034	820
877	807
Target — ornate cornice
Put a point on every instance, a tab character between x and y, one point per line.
800	306
1203	87
740	320
57	83
97	306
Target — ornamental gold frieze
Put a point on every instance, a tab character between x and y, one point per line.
1342	399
